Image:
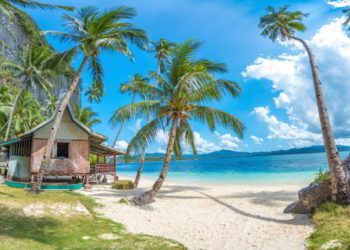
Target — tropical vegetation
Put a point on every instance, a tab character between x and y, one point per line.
92	32
281	23
178	96
86	116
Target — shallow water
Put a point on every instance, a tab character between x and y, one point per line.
286	169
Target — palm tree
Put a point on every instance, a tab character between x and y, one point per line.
283	24
6	96
134	86
37	69
186	85
347	21
162	50
52	101
86	116
29	114
92	32
6	4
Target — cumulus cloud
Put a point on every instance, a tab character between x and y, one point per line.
121	145
162	137
339	3
227	141
291	79
256	139
204	146
137	125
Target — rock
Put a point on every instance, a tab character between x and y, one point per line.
297	207
124	201
332	244
315	194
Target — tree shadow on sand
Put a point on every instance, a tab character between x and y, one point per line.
14	224
296	220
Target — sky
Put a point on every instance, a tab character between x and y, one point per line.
277	104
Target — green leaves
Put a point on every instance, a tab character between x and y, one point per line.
86	116
281	23
34	4
92	31
178	95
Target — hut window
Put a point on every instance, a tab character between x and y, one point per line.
62	150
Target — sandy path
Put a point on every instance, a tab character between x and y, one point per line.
213	217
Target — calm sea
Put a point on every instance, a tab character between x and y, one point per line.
287	169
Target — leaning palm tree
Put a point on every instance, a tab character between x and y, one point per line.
183	90
36	69
86	116
283	24
91	32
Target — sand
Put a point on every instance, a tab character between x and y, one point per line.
212	216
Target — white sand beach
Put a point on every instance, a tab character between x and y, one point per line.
212	216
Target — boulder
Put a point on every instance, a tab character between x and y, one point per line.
297	207
315	194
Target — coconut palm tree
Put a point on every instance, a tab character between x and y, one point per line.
134	86
86	116
184	88
28	114
91	32
36	69
162	49
283	24
6	4
347	21
52	101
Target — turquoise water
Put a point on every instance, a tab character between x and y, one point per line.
287	169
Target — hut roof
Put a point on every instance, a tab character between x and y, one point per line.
95	139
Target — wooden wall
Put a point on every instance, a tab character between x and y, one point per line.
78	162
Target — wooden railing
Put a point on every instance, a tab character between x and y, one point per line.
103	168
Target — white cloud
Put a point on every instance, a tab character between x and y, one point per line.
204	146
256	139
291	78
121	145
339	3
162	137
227	141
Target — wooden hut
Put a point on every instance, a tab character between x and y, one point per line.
70	159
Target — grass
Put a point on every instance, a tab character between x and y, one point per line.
76	231
332	224
123	184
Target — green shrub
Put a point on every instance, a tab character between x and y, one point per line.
322	176
123	184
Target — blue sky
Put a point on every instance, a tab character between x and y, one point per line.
228	30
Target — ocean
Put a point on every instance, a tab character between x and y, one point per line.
284	169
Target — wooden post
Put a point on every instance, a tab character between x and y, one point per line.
115	168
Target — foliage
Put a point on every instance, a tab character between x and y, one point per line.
123	184
178	96
6	4
322	176
281	23
332	224
53	231
28	113
162	49
86	116
92	31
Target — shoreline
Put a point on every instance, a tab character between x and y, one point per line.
211	216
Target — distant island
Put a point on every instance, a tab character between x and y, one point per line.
231	153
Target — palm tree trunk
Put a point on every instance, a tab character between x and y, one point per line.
139	170
340	185
63	105
148	197
12	112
